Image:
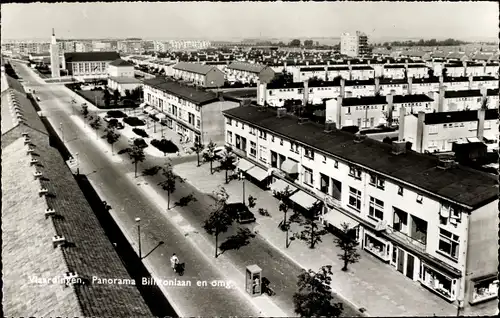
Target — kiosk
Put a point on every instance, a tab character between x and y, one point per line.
254	280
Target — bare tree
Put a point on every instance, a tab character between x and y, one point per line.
198	148
136	154
209	155
111	137
169	184
284	206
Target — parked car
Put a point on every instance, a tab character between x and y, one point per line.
240	212
114	122
37	99
218	151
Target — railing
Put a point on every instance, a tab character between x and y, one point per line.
405	239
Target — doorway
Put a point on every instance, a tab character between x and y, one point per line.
409	266
401	260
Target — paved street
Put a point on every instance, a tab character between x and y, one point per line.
128	203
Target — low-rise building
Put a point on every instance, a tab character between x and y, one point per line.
367	112
200	74
447	100
123	84
120	68
436	132
430	220
88	65
189	111
249	73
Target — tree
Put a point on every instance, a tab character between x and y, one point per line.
312	233
107	97
95	123
444	72
219	219
116	96
170	181
198	148
227	162
209	155
85	111
430	72
314	295
348	244
284	206
136	154
295	43
111	137
308	43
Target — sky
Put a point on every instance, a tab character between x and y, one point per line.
472	21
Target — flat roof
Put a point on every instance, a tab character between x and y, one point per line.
196	95
460	184
125	80
458	116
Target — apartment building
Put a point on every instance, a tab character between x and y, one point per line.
249	73
398	71
465	99
436	132
430	220
121	76
89	65
121	68
349	72
368	112
354	44
203	75
191	112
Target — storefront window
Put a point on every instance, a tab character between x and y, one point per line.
484	289
376	247
437	282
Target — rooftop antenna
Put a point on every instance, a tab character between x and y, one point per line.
53	33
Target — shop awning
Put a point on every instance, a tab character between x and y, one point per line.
257	172
161	116
244	165
148	109
290	167
337	218
473	139
280	185
154	112
303	199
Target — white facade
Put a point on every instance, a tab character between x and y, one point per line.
54	57
353	44
121	71
361	195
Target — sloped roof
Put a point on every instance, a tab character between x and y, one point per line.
198	96
463	185
363	100
90	56
120	62
413	98
196	68
18	110
252	68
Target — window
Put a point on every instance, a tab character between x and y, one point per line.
281	142
376	209
400	190
197	123
308	176
354	198
336	164
433	129
252	131
229	121
324	159
448	243
376	181
253	149
309	153
420	199
235	123
229	137
324	183
355	172
263	154
272	138
262	134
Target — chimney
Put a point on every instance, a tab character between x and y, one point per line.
280	112
261	93
401	130
390	108
480	123
328	63
420	131
441	80
440	105
305	98
464	63
342	87
329	126
377	85
307	63
410	84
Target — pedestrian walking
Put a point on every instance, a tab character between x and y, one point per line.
173	261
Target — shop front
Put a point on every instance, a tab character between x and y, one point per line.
376	245
483	288
333	220
258	176
440	283
303	202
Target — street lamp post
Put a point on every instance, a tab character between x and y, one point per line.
138	220
460	303
242	176
77	164
62	131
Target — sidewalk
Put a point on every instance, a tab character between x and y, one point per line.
368	284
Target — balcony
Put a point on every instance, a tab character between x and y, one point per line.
406	240
240	153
